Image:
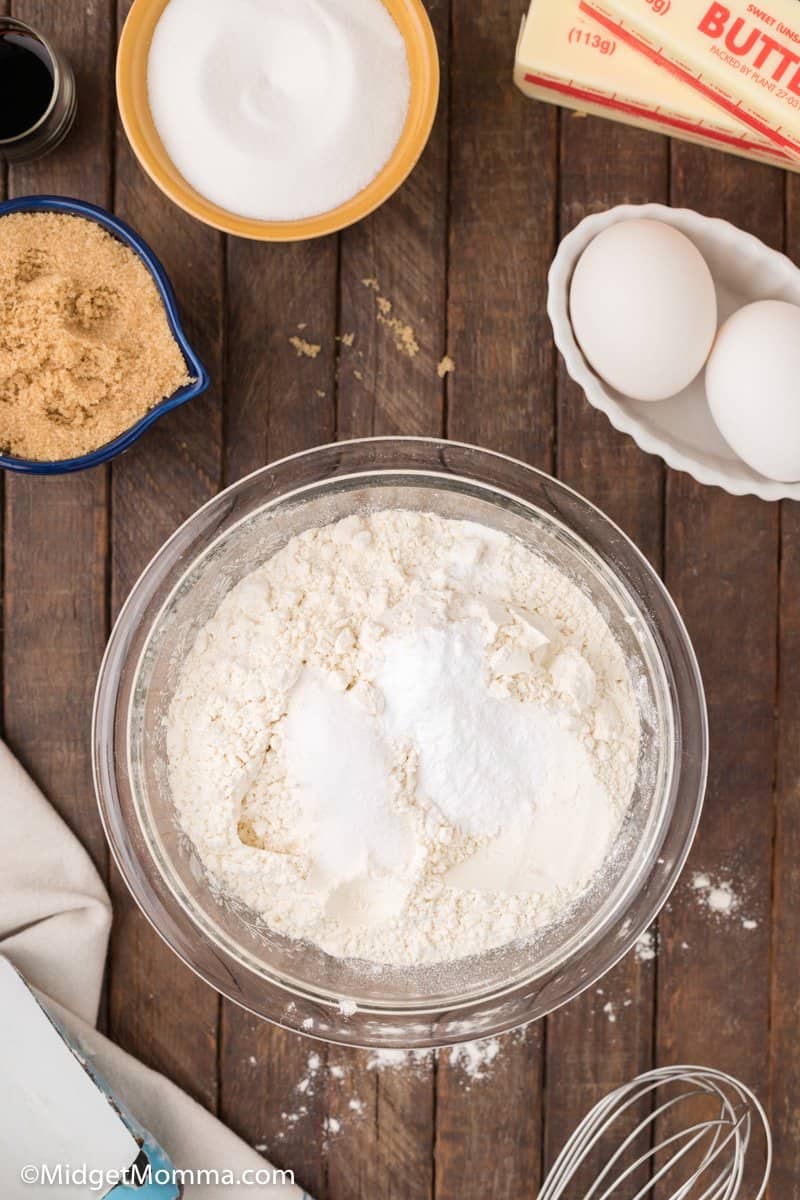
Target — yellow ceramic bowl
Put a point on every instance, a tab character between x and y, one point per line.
134	50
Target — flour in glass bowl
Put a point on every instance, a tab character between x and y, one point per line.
405	739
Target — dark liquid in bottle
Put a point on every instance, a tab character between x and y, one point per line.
26	83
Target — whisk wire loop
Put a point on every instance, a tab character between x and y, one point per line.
713	1150
695	1136
588	1134
650	1119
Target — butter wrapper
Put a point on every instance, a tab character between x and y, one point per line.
567	58
742	57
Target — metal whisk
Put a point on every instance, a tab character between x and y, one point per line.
711	1150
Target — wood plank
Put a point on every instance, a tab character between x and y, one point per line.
721	565
392	327
273	1093
280	397
605	1037
489	1131
278	401
56	529
503	172
158	1010
503	184
385	1146
389	357
785	1007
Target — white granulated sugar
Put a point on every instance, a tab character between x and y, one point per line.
405	739
338	762
278	110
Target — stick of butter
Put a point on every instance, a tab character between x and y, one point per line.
565	57
743	57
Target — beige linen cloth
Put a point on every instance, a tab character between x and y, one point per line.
55	918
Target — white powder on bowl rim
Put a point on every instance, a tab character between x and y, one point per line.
405	739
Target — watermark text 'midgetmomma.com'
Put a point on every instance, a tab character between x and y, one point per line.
144	1174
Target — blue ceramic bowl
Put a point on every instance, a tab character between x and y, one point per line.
196	370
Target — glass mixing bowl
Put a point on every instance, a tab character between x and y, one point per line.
296	984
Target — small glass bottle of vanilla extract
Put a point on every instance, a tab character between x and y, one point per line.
37	93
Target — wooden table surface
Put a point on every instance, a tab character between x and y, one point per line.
462	252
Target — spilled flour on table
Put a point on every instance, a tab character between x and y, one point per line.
612	1009
299	1100
475	1059
473	1062
716	896
646	948
719	898
399	1060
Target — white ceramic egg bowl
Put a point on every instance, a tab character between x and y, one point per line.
680	430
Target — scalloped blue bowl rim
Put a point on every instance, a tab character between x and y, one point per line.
199	376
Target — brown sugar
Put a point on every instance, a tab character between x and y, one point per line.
85	345
405	339
305	349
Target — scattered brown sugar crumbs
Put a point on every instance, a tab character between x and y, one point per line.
304	348
445	367
85	345
405	339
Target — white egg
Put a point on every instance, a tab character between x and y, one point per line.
644	308
753	387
